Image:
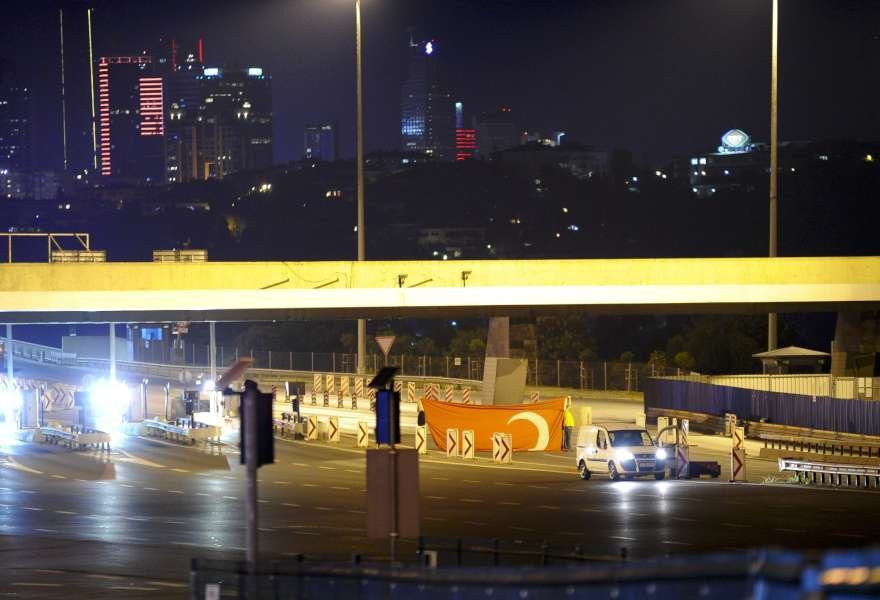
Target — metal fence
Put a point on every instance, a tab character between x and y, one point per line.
858	416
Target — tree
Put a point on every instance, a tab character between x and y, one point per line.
683	360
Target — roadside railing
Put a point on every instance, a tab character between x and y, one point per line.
834	474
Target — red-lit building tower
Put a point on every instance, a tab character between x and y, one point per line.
465	139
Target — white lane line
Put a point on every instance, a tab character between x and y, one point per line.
470	481
571	533
290	505
328	468
295	532
132	588
65	512
503	483
202	494
358	512
353	471
685	519
299	464
324	508
230	498
440	478
636	514
46	530
28	492
58	477
175	523
281	482
516	528
126	485
508	503
622	537
136	518
110	577
674	543
471	500
169	584
538	487
310	485
35	584
743	525
152	489
31	508
175	491
434	518
787	530
595	510
262	501
548	507
190	544
477	523
339	487
176	470
849	535
20	467
266	529
436	497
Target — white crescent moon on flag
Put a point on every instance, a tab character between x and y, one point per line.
540	424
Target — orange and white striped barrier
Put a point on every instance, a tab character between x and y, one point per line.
410	391
447	393
316	387
466	395
535	397
358	392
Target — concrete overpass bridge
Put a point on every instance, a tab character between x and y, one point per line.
240	291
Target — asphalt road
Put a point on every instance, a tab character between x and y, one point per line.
126	524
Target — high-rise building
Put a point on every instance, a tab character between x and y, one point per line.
130	118
229	131
319	142
427	119
465	139
496	131
182	103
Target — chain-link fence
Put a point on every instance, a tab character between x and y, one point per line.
592	374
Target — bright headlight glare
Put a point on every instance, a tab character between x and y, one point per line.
625	455
660	454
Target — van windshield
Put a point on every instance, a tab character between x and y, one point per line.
630	437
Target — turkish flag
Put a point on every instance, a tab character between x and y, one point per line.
534	427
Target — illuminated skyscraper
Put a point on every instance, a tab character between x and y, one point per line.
465	139
427	119
319	142
130	118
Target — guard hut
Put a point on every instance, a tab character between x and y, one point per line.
792	360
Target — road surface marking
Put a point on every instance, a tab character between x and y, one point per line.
65	512
202	494
572	533
734	502
674	543
515	528
152	489
299	464
328	468
508	503
175	491
591	510
503	483
187	544
358	512
471	500
743	525
35	584
685	519
132	588
176	470
28	492
136	518
636	514
46	530
15	465
281	482
310	485
127	485
230	498
538	487
175	523
787	530
290	504
339	487
352	471
325	508
263	501
31	508
440	478
58	477
436	497
304	532
477	523
434	518
548	507
470	481
266	529
849	535
622	537
110	577
169	584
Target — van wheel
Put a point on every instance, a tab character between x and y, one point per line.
613	475
583	471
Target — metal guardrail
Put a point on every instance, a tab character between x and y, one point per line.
76	438
191	434
835	474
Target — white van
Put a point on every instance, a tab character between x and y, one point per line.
619	451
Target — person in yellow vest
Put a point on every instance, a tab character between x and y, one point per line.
567	425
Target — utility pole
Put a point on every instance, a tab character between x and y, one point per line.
772	325
361	239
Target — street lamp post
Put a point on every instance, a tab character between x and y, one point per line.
774	158
361	243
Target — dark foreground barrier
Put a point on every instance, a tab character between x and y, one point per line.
761	575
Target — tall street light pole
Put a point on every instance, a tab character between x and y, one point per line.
362	253
774	158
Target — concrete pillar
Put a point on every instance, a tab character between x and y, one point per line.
212	328
112	351
498	337
846	342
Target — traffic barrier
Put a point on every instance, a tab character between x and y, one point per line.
447	393
363	434
185	431
466	395
452	442
502	447
682	462
371	392
312	427
834	474
398	386
535	397
729	423
344	388
333	429
467	444
421	439
326	399
316	387
432	391
76	437
284	426
410	391
586	415
684	427
358	391
331	384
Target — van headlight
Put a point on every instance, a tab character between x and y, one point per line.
625	455
660	454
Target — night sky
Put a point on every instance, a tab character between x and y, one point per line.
659	78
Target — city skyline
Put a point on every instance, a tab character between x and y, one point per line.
626	99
